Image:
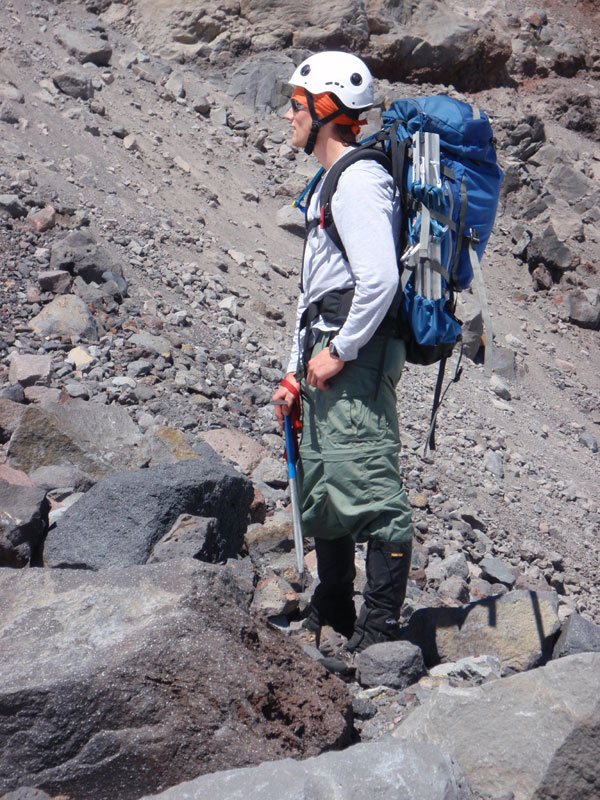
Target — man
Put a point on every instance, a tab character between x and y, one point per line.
345	364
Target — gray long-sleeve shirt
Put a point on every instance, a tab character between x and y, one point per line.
368	220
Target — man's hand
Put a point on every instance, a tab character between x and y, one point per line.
282	393
322	367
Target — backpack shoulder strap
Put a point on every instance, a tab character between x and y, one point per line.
330	184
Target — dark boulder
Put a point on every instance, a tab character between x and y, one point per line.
548	250
578	635
81	254
23	523
118	522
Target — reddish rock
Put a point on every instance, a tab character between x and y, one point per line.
29	370
42	220
533	18
258	508
565	366
244	451
45	396
14	476
33	295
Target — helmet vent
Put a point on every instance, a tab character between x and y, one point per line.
305	70
356	79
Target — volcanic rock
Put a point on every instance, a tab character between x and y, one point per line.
81	254
127	681
544	738
395	664
578	635
66	315
120	520
23	524
98	439
83	46
365	770
518	627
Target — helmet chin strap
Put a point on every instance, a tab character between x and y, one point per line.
317	124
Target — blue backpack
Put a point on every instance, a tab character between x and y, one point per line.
449	206
441	154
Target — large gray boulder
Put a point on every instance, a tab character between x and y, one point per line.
98	439
83	46
536	734
519	628
383	770
568	184
121	518
74	82
124	682
440	46
547	249
23	523
258	81
67	315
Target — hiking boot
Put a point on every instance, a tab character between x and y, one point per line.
373	626
332	602
331	642
329	650
388	565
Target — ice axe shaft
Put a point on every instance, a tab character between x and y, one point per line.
290	451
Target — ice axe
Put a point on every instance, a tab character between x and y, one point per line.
290	455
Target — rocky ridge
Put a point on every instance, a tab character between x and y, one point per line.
143	270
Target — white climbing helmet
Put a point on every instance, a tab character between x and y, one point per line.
344	75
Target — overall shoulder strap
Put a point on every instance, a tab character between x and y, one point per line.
332	177
309	225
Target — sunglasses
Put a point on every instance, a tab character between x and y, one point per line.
296	106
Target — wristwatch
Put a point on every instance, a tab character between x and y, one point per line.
333	350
